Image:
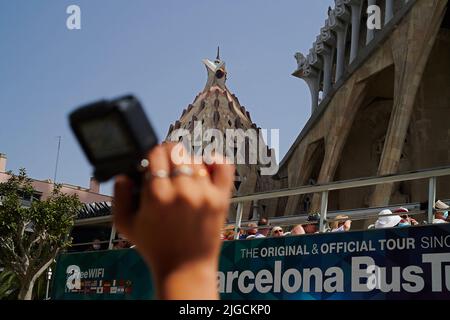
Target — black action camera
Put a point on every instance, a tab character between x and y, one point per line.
115	135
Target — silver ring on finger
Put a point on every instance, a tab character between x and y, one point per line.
183	170
161	174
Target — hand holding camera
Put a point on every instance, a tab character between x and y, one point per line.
173	213
176	229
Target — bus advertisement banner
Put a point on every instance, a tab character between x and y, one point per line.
385	264
102	275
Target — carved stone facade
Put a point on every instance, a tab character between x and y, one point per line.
380	104
217	108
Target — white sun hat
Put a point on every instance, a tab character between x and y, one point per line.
440	205
387	221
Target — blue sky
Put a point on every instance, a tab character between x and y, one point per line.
152	49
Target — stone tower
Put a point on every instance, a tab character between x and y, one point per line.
217	108
380	104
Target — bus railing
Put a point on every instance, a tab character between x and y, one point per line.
324	189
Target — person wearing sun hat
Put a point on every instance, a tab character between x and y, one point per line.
441	212
313	225
387	220
406	220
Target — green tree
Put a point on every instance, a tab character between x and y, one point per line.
31	236
9	286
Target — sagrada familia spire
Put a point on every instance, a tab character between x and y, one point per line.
217	108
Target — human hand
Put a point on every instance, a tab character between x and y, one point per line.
347	225
177	226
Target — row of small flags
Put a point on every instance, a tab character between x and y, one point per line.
104	287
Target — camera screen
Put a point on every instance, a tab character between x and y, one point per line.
106	137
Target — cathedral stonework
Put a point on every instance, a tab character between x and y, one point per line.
217	108
380	104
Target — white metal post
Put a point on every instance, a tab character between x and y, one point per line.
323	211
431	197
240	209
49	277
112	237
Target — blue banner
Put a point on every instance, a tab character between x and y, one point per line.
399	263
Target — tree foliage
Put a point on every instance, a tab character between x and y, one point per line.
9	285
32	235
